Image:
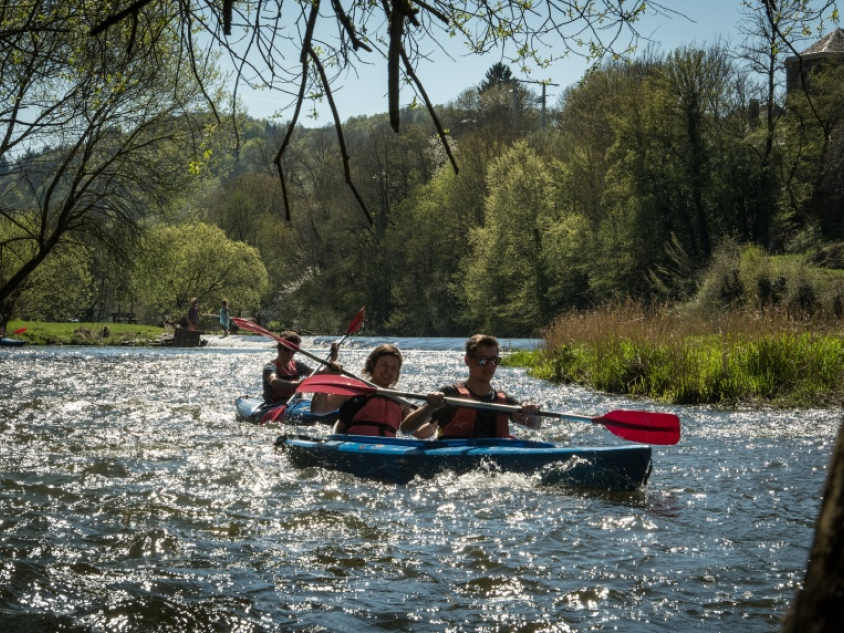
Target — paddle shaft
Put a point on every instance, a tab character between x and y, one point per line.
486	406
354	326
614	425
254	327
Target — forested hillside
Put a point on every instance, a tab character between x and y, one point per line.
633	181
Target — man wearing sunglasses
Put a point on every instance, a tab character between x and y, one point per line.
482	358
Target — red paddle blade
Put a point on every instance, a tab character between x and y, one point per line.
337	385
19	330
354	326
245	324
273	415
647	427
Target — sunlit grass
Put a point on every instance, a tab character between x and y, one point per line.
41	333
740	357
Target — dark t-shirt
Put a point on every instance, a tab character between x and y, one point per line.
302	370
484	421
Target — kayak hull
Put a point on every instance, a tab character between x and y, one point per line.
11	342
399	460
297	412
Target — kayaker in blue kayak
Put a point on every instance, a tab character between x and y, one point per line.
372	414
482	358
284	373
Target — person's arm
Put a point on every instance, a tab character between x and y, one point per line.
419	421
527	416
333	367
276	382
326	403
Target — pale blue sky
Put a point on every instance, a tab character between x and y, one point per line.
444	80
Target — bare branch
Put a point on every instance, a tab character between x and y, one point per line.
117	17
349	27
341	140
408	68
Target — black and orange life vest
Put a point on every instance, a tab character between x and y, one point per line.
462	425
370	415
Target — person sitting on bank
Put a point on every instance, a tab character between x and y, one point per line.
283	374
372	414
453	422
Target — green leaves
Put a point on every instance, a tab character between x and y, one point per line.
197	260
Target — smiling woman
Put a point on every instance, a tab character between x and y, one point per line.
371	413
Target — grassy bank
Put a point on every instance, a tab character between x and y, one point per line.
757	358
38	333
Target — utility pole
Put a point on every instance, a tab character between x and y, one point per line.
544	85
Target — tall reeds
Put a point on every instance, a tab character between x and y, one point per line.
728	358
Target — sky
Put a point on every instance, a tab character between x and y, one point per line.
444	80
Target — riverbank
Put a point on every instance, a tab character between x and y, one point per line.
756	358
40	333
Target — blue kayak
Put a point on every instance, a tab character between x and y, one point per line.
398	460
297	411
11	342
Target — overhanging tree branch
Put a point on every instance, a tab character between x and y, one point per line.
256	35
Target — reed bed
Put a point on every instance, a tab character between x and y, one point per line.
764	357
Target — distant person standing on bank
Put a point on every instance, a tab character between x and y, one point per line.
193	314
225	322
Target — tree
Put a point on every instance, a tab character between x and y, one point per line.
59	289
96	132
431	241
259	36
507	282
180	262
772	33
497	76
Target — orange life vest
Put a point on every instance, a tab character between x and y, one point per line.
370	415
462	425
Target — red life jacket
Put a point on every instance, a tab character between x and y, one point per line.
370	415
462	425
288	372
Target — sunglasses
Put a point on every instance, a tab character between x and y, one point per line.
483	360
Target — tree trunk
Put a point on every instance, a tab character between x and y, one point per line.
819	606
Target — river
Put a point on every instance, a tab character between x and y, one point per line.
132	500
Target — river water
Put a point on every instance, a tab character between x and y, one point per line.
132	500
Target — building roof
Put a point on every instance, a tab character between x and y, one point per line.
830	43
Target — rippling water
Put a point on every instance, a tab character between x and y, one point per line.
132	500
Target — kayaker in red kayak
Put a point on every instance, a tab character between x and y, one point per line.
482	358
372	414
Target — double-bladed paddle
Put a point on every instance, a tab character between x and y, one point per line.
277	414
273	415
20	330
354	326
254	327
637	426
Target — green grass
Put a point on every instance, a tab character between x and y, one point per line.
740	358
38	333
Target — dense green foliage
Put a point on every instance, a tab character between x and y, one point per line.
642	175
